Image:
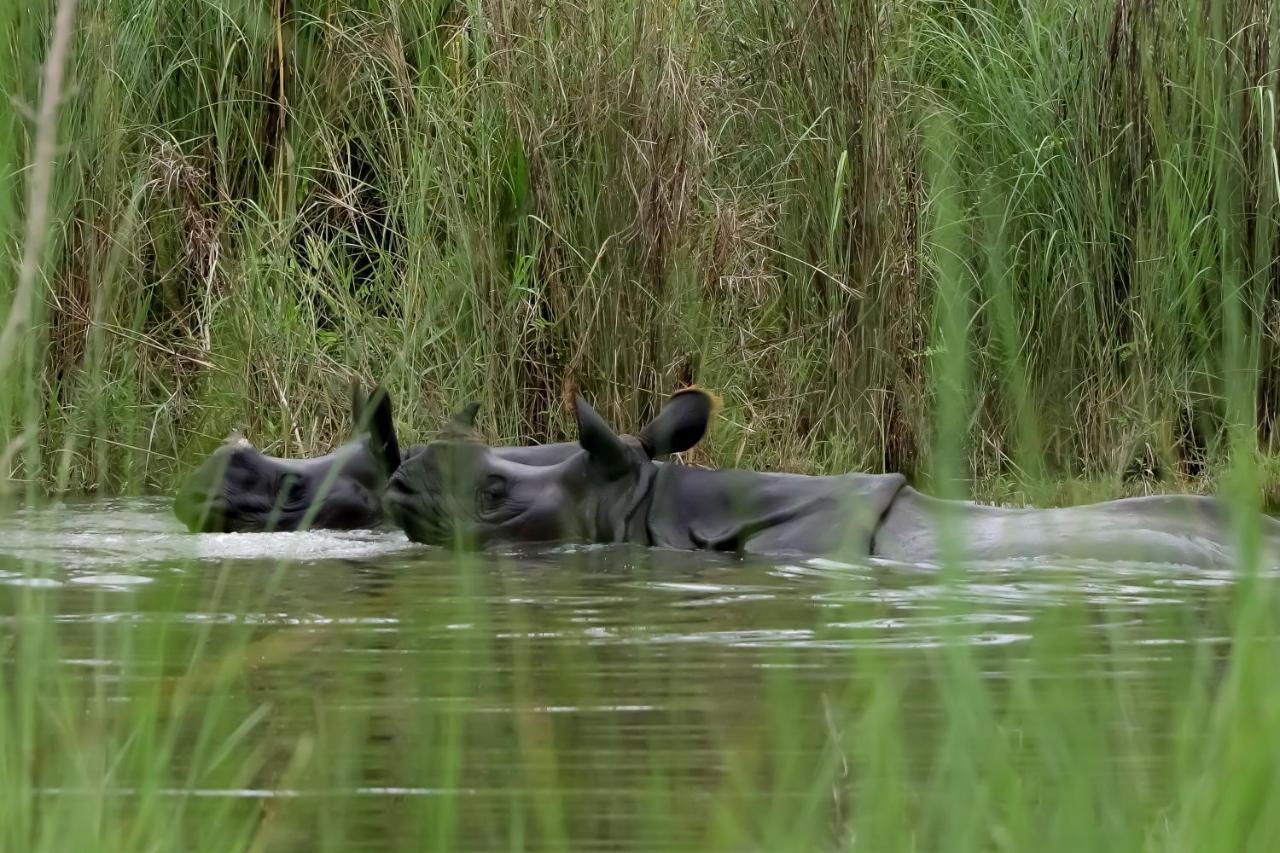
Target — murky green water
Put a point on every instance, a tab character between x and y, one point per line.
588	698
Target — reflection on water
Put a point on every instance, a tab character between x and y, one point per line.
625	680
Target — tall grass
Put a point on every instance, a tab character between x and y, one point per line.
492	200
1018	245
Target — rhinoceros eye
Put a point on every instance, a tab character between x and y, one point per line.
492	493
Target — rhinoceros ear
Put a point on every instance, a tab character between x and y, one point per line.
375	416
466	419
681	424
606	451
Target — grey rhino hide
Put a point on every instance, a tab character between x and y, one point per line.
878	515
614	492
239	489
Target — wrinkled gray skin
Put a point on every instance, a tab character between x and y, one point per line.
460	492
239	489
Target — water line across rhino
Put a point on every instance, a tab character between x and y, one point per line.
240	489
459	491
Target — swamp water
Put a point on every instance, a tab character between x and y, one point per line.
355	691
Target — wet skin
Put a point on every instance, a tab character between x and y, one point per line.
239	489
459	492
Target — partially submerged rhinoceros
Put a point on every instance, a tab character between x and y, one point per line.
239	489
458	491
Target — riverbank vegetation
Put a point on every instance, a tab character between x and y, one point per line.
250	203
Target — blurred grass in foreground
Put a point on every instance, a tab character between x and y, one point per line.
584	702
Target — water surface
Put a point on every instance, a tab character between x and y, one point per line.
581	698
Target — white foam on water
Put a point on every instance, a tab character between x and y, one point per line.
309	545
35	582
82	542
111	580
